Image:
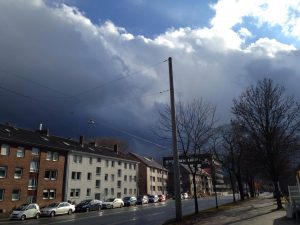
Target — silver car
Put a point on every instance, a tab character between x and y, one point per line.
58	209
26	211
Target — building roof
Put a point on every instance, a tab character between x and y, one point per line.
42	139
148	161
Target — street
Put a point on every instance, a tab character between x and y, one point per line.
149	214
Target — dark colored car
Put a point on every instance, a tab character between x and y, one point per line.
142	199
88	205
129	201
153	198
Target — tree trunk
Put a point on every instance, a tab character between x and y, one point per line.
277	193
195	194
251	186
240	185
232	185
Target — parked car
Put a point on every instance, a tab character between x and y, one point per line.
58	208
161	198
153	198
26	211
112	203
142	199
129	201
88	205
184	196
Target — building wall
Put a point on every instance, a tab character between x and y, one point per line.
108	188
10	183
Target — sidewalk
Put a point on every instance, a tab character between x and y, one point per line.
258	211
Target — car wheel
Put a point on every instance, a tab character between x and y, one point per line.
37	216
87	209
70	212
52	214
112	206
23	217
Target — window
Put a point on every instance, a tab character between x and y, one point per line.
34	166
125	191
119	184
91	160
32	184
52	156
18	173
112	163
119	163
1	194
112	177
125	177
125	165
20	152
48	194
106	191
134	178
3	171
76	175
31	199
35	151
75	192
97	183
98	170
4	149
50	174
119	173
130	191
134	167
106	177
119	195
88	192
15	196
98	196
134	191
130	178
112	191
153	179
89	176
106	163
99	160
77	158
130	166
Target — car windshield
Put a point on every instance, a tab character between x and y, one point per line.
127	198
53	205
110	200
151	196
22	207
85	201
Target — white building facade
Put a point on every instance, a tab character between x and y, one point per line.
100	173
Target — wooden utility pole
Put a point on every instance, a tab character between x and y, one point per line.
175	150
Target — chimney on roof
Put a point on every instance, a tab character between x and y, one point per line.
81	140
116	148
42	131
94	143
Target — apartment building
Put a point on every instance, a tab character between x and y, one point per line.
100	173
152	177
31	168
38	167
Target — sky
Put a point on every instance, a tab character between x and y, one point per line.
64	63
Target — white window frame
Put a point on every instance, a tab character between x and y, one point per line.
19	175
32	184
20	152
35	151
5	149
15	196
2	193
3	168
34	166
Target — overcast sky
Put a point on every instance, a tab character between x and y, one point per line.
63	63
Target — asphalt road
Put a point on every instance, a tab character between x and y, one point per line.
149	214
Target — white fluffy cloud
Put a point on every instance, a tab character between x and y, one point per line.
69	69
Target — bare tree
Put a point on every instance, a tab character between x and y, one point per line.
195	122
272	121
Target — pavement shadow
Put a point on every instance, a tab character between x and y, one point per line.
250	217
285	221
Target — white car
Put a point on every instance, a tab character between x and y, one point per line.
113	203
58	208
26	211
